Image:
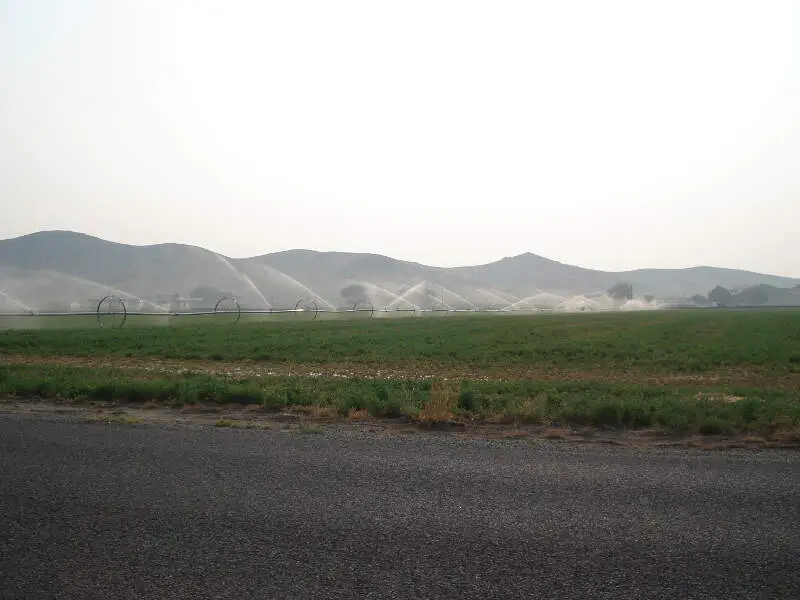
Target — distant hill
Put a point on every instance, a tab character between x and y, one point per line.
59	270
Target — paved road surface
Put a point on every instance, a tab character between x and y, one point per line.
139	511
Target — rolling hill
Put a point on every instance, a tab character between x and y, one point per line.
59	270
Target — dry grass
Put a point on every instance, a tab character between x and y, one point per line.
532	410
787	437
439	407
317	411
357	414
554	433
517	433
502	419
753	439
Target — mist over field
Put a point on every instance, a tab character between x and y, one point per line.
58	271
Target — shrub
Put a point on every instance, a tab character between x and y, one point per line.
468	401
714	426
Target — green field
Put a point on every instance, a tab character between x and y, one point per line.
691	342
703	371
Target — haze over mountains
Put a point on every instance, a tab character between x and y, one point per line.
61	270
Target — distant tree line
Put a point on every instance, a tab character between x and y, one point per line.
755	295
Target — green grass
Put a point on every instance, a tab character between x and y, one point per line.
532	402
706	372
673	341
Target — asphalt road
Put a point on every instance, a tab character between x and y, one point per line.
141	511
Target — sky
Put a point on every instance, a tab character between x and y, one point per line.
611	135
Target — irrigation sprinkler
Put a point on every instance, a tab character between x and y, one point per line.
232	303
412	309
112	305
298	308
112	312
370	309
440	307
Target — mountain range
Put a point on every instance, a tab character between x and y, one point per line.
62	270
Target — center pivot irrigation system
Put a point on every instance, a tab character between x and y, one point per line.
112	313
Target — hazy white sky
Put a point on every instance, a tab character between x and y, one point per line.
609	134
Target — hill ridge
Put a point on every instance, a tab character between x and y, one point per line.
62	266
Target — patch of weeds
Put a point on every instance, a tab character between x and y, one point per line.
256	425
440	405
637	416
356	414
714	426
241	394
354	399
391	406
468	400
198	409
382	394
322	411
528	410
226	423
606	413
410	402
787	437
393	409
679	408
308	430
748	411
275	398
118	419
